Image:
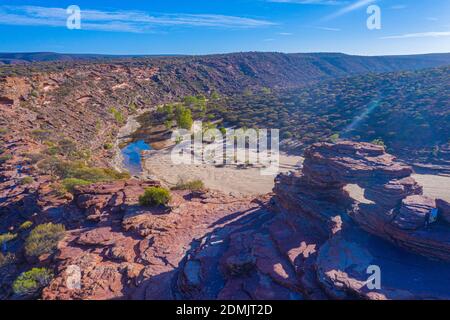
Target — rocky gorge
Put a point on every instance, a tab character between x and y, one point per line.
307	239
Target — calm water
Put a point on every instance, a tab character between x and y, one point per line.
132	156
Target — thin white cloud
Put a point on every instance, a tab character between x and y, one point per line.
432	34
398	7
317	2
123	21
285	34
328	29
347	9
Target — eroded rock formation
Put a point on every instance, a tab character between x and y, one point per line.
314	244
310	239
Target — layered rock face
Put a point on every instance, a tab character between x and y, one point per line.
308	240
316	242
398	212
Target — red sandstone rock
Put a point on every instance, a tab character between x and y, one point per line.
414	213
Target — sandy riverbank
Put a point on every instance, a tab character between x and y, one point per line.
158	164
228	179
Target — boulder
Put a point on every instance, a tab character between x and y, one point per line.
414	212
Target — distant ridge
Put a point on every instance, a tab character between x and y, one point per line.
29	57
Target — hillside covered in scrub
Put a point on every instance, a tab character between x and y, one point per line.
88	101
408	111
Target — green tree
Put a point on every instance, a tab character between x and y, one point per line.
184	120
30	283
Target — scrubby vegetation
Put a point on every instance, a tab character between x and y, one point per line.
78	171
191	185
4	238
30	283
26	225
26	180
405	111
118	116
5	157
155	196
43	239
69	184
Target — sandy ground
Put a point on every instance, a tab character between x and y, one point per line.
229	179
434	186
157	164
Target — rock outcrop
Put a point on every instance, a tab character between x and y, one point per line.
126	251
312	241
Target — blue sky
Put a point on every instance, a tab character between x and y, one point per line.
216	26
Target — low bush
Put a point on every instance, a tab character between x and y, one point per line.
155	196
26	225
193	185
118	116
34	157
79	170
26	180
44	239
5	157
379	142
7	237
30	283
69	184
108	146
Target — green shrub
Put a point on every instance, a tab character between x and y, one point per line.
30	283
7	237
193	185
132	107
379	142
155	196
118	116
44	239
334	138
69	184
41	135
26	180
5	157
108	146
26	225
34	157
79	170
68	147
